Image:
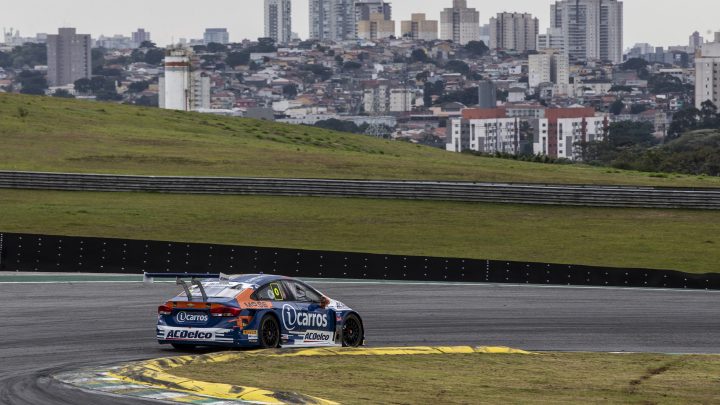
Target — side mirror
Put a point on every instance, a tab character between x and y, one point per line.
324	302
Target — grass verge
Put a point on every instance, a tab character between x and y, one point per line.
51	134
478	378
660	239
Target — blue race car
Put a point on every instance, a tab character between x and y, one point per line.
262	311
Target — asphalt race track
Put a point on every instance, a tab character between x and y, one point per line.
48	328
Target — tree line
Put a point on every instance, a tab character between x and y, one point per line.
692	145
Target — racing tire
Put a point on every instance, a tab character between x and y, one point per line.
269	333
183	347
352	331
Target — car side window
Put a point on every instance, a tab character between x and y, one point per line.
271	292
302	293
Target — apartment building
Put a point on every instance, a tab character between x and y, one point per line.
707	73
514	31
419	28
401	100
592	29
552	39
375	27
216	35
554	132
278	20
68	57
548	67
332	20
460	24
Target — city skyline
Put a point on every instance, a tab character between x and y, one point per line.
248	22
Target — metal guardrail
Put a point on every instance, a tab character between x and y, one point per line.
539	194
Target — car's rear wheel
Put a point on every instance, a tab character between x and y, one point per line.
185	347
269	332
352	331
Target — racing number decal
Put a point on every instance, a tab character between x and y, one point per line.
276	291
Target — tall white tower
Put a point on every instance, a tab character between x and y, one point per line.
176	85
183	88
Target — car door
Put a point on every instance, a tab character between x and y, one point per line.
305	317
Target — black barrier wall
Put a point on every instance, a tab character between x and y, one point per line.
43	253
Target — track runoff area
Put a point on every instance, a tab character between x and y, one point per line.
59	324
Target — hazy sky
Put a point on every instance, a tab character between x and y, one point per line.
659	22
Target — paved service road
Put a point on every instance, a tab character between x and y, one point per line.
47	328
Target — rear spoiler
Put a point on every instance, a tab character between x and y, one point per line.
149	278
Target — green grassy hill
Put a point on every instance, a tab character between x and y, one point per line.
77	136
50	134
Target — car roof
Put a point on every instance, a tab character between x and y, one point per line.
257	280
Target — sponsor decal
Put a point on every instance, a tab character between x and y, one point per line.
250	332
189	334
190	317
255	305
339	305
292	318
317	337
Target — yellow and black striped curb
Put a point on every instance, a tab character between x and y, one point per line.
153	378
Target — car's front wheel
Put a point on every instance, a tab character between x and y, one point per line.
352	331
269	332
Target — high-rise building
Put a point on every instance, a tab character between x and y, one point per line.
485	34
401	100
332	20
548	67
69	57
216	35
376	27
365	8
514	31
115	42
460	24
319	13
140	36
696	40
487	94
182	87
552	39
419	28
592	29
376	98
373	11
278	20
707	73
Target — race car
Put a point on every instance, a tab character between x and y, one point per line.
253	310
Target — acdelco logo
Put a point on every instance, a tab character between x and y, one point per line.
189	334
292	318
183	317
317	337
